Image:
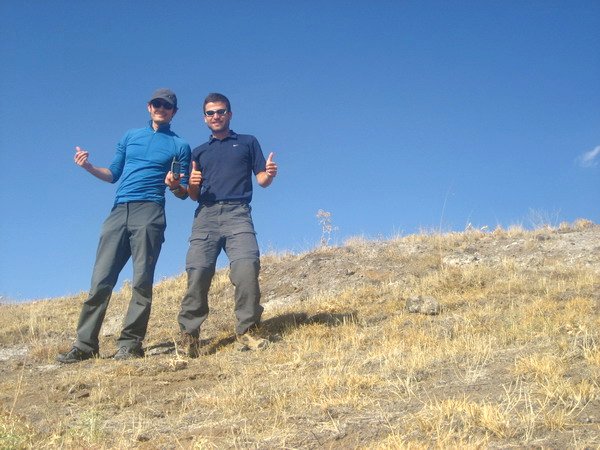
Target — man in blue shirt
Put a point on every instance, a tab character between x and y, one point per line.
134	228
221	182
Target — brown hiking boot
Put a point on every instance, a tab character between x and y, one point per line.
249	342
190	345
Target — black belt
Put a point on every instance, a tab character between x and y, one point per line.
226	202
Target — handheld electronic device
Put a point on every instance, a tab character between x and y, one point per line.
175	168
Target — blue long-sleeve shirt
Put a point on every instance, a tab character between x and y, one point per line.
142	161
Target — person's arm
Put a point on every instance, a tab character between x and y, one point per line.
175	186
179	185
82	160
265	178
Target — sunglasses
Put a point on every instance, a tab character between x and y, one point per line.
212	112
158	103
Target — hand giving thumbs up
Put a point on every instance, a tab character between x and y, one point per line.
271	166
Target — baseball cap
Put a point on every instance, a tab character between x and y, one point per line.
165	94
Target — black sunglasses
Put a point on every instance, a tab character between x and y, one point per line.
212	112
158	103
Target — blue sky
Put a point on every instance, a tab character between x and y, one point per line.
394	116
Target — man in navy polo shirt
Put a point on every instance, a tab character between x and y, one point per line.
221	182
134	228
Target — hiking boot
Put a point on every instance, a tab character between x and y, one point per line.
129	353
76	355
190	345
249	342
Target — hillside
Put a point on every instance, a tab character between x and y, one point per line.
509	356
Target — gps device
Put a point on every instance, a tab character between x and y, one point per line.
175	168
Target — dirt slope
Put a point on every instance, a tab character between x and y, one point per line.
326	312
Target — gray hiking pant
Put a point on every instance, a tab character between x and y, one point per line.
218	226
134	230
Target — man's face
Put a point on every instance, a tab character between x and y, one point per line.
217	116
159	114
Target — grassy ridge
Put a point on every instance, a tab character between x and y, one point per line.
513	358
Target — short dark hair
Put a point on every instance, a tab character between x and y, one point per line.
214	97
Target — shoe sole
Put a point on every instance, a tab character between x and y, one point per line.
72	361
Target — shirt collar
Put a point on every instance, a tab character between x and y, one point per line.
162	128
232	135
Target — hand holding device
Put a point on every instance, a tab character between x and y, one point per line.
175	169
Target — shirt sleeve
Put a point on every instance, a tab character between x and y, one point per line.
118	163
258	159
185	155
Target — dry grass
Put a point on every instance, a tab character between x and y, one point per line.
512	360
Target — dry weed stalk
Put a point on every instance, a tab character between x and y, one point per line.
327	227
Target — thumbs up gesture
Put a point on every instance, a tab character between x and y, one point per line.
271	166
196	175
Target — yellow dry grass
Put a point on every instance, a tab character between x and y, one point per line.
512	360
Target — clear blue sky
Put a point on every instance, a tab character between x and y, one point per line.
395	116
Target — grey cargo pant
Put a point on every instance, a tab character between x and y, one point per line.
218	226
134	230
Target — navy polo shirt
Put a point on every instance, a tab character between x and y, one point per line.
227	166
